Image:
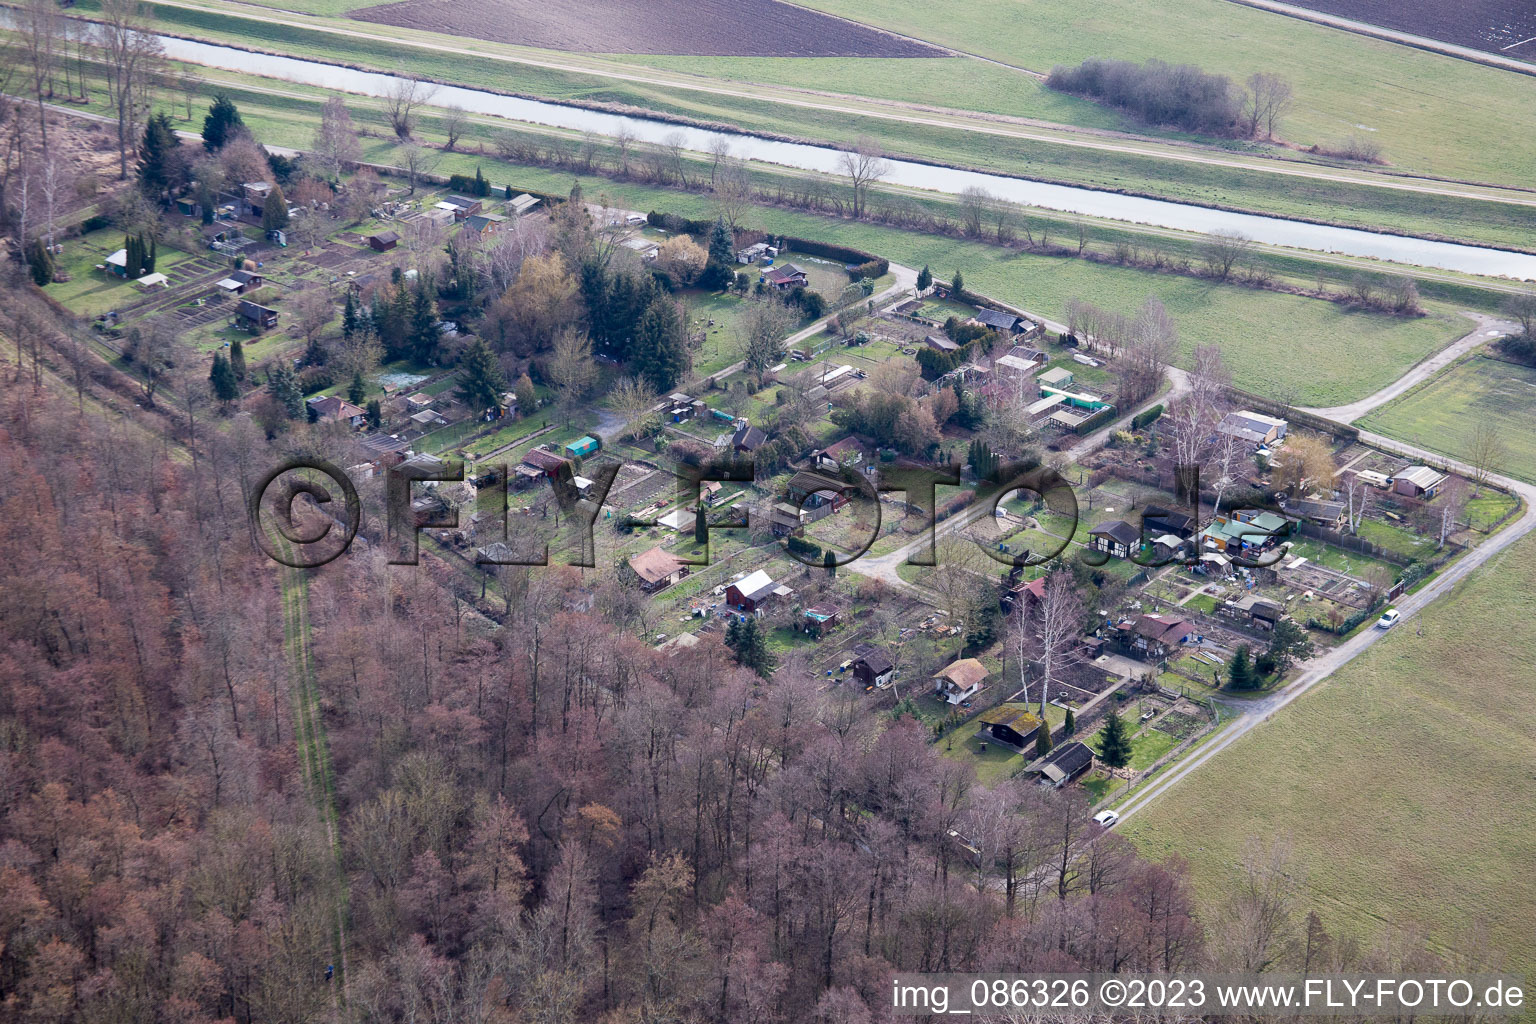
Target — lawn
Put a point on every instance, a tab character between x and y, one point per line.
1145	748
1400	781
997	764
1444	413
1352	563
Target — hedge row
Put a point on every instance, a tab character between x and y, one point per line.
1096	421
841	253
1146	416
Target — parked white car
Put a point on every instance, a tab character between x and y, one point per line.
1107	818
1388	619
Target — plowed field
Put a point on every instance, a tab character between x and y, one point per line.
1507	27
718	28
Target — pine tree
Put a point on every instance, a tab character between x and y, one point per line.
237	359
924	279
1240	672
158	150
284	384
375	414
481	382
751	647
482	187
829	562
660	347
274	211
1115	742
509	192
222	377
40	262
349	317
424	336
957	286
1069	727
1043	739
722	255
357	390
222	123
700	526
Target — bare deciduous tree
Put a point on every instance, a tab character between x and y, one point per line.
336	147
733	191
974	202
570	370
1485	452
1453	501
403	96
1521	306
37	25
1259	930
130	55
191	89
672	149
633	399
1222	251
1358	496
1267	100
1143	351
863	165
1057	623
455	122
417	161
624	139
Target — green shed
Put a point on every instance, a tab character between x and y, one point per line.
583	447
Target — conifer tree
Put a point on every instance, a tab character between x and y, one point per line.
660	345
222	124
1240	672
222	377
1043	739
481	381
274	211
1115	742
237	359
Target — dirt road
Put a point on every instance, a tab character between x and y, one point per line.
1488	329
